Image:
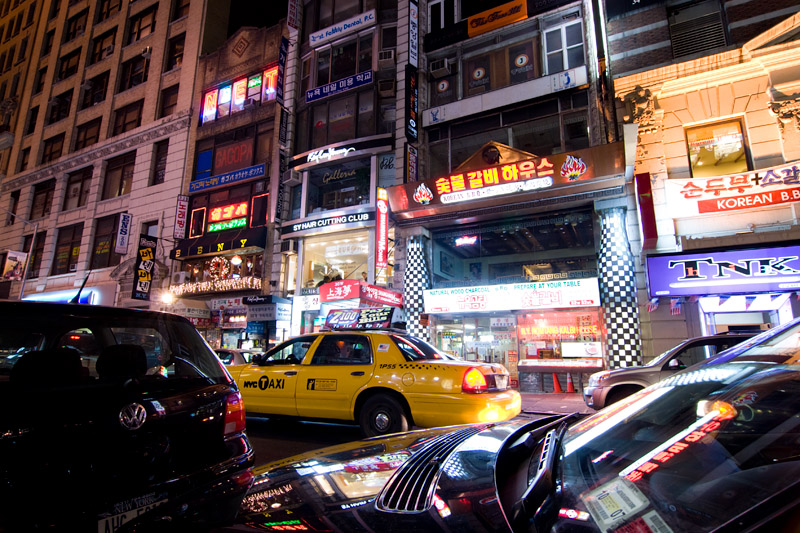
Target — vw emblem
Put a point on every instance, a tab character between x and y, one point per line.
132	416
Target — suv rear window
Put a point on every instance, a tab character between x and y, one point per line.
414	349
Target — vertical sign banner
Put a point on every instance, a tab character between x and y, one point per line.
413	34
382	231
282	53
293	15
123	233
14	265
412	92
181	215
411	163
145	267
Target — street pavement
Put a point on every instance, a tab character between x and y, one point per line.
554	403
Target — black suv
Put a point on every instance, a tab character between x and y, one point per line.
115	419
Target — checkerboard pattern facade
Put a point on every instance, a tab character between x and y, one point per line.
415	281
618	291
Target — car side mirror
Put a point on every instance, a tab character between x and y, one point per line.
675	364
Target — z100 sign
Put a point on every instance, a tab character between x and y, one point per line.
738	271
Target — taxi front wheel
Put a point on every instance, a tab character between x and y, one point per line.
382	415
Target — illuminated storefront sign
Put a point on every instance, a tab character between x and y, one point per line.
181	212
340	86
145	267
497	17
210	106
724	272
228	212
227	224
220	180
261	86
382	231
313	225
466	241
345	27
760	188
541	295
328	154
271	83
230	157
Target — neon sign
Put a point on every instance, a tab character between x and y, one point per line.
270	83
228	224
382	230
210	106
466	241
239	91
228	212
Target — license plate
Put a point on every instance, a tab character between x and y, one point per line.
112	523
501	382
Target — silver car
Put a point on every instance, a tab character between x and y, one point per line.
610	386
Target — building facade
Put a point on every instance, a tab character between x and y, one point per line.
97	160
716	161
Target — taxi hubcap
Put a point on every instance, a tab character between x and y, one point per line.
382	421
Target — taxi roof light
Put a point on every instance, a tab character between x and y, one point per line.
474	381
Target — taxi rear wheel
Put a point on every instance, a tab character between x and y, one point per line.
382	415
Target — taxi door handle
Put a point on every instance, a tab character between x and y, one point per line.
290	373
357	373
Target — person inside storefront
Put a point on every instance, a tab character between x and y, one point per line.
364	277
325	279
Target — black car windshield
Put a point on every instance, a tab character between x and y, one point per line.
415	349
687	454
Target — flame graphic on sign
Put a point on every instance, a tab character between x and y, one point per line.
423	195
573	168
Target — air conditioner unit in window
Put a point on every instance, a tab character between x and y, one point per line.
386	87
108	50
440	68
289	246
386	59
73	268
291	177
179	278
249	103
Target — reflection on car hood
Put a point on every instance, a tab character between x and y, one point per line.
425	480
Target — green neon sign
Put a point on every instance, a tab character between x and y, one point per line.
228	224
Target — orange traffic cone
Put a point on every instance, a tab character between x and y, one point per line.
570	386
556	384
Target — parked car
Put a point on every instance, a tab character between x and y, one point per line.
115	418
233	356
712	448
383	379
610	386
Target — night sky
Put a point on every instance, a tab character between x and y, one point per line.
258	14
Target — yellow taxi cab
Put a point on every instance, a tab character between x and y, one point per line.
359	369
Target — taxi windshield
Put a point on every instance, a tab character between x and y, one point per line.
414	349
691	452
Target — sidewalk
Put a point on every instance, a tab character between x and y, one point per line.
563	403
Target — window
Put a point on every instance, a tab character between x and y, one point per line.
88	134
23	48
205	208
441	13
24	158
180	9
38	250
68	249
119	176
333	11
38	82
142	24
68	64
30	125
59	107
52	148
10	58
174	52
343	60
338	186
717	149
128	118
54	8
564	48
47	45
134	72
78	184
31	14
103	46
337	120
689	21
169	101
106	8
150	228
75	26
94	90
105	240
42	199
12	208
160	162
343	350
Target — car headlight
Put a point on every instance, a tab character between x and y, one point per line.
597	378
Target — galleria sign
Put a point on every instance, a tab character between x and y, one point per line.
331	153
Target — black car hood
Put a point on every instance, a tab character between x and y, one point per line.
434	479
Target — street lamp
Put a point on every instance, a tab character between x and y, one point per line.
30	250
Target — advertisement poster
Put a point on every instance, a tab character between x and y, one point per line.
14	266
145	267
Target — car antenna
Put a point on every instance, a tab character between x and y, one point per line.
77	298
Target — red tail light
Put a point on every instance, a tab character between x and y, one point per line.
234	414
474	381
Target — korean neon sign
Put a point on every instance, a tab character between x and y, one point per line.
228	212
382	230
227	224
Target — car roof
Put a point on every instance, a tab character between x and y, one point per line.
55	310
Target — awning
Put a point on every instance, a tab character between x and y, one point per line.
223	241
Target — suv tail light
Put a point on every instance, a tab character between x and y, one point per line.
234	414
474	381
